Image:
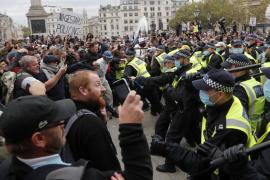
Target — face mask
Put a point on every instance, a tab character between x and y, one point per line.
218	49
177	64
236	50
266	90
205	98
206	53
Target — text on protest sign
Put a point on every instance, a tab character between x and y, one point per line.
69	24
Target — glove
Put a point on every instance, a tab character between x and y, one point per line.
158	146
235	153
209	150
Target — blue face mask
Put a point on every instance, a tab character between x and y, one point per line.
205	98
206	53
266	90
236	51
178	64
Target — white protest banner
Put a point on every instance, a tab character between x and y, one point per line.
69	23
252	21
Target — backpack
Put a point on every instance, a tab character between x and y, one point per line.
7	85
66	153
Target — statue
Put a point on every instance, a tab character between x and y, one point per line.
36	3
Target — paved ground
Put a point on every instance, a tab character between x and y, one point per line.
149	130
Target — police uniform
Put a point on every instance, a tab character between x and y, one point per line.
248	90
137	68
212	60
157	65
224	125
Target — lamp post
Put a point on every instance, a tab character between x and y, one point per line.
196	14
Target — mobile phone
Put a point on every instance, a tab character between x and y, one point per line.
121	90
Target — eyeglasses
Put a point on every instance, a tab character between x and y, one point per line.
54	124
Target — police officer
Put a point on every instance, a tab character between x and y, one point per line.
157	64
236	158
247	89
137	68
179	106
211	58
225	124
252	46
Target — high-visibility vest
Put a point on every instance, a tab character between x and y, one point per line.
256	101
178	79
196	29
251	58
262	138
160	61
120	73
167	71
222	58
234	120
140	67
196	60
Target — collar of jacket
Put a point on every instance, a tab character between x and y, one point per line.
94	107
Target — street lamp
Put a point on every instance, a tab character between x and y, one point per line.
196	14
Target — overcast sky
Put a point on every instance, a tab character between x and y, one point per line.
17	9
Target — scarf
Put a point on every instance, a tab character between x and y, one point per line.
49	71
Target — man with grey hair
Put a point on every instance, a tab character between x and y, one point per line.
25	80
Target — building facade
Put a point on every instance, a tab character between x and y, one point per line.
7	29
124	19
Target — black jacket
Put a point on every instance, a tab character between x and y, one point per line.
91	57
193	162
155	68
135	153
213	62
90	139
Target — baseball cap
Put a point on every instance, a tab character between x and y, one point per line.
108	54
210	45
29	114
50	58
237	59
220	44
266	71
217	79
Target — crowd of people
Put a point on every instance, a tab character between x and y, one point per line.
209	90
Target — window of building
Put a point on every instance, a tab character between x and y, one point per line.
105	27
126	28
125	7
131	28
145	8
152	2
152	9
152	14
112	27
104	15
117	27
159	14
167	13
135	14
158	2
130	7
145	14
145	3
125	21
159	8
125	14
105	33
130	21
130	14
135	7
136	21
